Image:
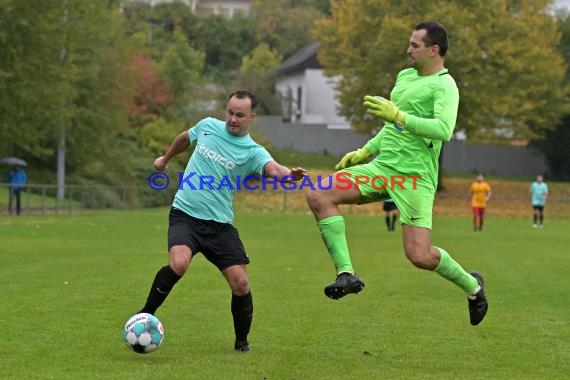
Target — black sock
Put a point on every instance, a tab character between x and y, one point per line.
535	219
242	311
163	282
394	217
388	223
541	218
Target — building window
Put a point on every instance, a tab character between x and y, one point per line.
287	104
299	103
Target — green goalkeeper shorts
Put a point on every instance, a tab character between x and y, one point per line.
413	193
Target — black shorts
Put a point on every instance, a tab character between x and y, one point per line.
537	207
389	206
219	242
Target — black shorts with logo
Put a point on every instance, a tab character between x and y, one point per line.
219	242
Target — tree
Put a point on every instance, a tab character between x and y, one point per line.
158	34
182	67
151	96
28	75
224	41
63	64
509	76
255	75
555	149
285	25
555	143
323	5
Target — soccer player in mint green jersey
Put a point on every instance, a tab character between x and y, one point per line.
539	192
201	216
419	116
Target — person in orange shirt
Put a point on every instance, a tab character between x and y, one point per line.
480	194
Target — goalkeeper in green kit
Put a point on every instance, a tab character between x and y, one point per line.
419	116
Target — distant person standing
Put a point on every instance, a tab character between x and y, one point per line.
17	179
392	213
539	192
480	195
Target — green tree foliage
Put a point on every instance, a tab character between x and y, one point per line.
255	75
563	19
224	42
285	25
261	61
168	90
168	74
155	137
94	85
503	55
555	143
181	66
153	29
323	5
138	17
64	63
29	71
555	148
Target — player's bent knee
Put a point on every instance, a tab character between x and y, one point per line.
422	261
240	287
179	267
180	257
314	198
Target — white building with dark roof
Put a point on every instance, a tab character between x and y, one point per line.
307	95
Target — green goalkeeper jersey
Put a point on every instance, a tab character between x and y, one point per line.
431	104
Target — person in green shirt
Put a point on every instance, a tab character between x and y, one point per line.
401	163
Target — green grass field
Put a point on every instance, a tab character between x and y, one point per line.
70	282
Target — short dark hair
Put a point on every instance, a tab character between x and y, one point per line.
436	35
244	94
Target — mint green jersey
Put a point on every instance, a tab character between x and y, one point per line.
217	168
538	190
431	103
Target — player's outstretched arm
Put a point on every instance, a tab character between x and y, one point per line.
362	155
439	127
273	169
179	145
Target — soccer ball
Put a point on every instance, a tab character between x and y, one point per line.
143	333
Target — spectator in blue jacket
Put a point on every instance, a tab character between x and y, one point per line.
17	179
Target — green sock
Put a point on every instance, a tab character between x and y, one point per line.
333	234
451	270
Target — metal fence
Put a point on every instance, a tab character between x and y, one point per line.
40	199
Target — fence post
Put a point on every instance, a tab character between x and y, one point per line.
82	201
69	200
43	199
28	199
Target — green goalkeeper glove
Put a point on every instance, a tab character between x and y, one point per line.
384	109
353	158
